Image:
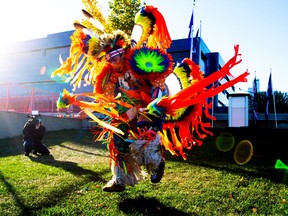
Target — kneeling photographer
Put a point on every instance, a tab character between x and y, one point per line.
33	133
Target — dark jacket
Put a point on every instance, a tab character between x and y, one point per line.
29	131
40	132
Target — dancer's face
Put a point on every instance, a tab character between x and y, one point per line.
116	59
118	63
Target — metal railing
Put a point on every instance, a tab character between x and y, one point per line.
23	99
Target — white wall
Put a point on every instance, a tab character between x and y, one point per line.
238	110
11	124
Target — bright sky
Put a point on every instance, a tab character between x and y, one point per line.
260	27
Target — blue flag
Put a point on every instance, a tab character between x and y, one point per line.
190	31
191	26
195	42
269	92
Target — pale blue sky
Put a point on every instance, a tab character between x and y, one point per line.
259	26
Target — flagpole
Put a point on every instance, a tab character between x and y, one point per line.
192	30
275	115
199	44
200	32
254	103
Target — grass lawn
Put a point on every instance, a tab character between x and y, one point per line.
70	180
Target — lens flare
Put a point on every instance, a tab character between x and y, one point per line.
43	70
225	142
243	152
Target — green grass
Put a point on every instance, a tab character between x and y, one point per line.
69	182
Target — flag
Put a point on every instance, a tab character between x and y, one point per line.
254	101
195	41
191	25
190	35
269	92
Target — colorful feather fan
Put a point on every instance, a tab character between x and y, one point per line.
197	93
151	64
178	134
150	28
160	36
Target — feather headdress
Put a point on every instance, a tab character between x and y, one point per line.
150	27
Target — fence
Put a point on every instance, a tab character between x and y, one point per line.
22	98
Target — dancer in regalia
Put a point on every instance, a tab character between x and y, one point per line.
150	104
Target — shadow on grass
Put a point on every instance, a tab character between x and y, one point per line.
14	146
49	200
277	176
148	206
17	199
54	196
70	167
82	151
11	146
260	166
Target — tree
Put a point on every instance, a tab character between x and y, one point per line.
122	14
93	7
281	102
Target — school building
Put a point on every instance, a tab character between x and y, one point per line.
26	83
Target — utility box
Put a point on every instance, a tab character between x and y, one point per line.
238	111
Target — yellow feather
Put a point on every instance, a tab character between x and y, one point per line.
102	123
